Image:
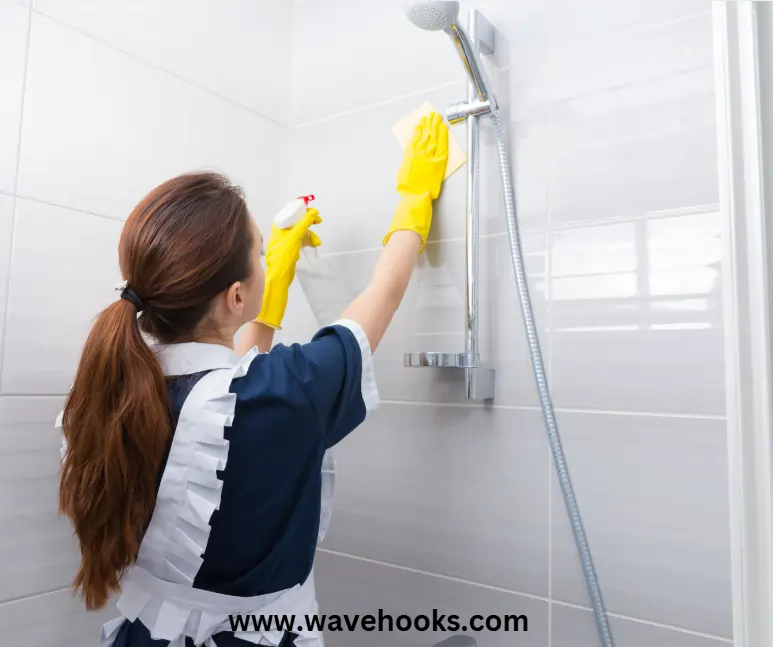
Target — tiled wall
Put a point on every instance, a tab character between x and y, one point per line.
456	507
100	101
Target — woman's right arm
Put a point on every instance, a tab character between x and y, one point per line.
418	183
376	306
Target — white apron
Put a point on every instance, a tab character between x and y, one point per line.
158	589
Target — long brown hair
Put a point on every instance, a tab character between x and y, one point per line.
185	242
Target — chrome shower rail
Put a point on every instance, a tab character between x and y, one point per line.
479	379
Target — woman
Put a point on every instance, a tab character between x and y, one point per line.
197	477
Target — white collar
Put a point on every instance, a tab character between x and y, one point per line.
193	357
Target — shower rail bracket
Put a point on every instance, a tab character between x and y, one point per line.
479	378
483	34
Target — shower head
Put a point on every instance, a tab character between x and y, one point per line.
442	15
433	16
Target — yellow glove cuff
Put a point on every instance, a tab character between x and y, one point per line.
274	305
414	213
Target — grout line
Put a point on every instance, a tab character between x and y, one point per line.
650	623
61	206
584	47
643	414
548	336
37	594
653	215
624	85
76	209
440	576
437	241
550	549
593	412
531	596
17	175
579	224
4	394
581	152
164	70
454	405
550	228
379	104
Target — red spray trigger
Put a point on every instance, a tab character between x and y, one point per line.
306	198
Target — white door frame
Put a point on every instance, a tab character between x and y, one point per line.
744	88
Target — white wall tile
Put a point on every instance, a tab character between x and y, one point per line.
6	232
653	496
351	164
646	147
624	58
37	551
240	49
611	108
133	127
349	54
13	48
576	25
349	586
432	314
64	268
54	619
577	628
439	489
637	316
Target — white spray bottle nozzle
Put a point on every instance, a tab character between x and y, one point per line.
292	212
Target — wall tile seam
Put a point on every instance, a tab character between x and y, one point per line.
702	209
552	98
15	207
49	203
529	229
557	409
625	35
649	623
534	230
593	147
555	98
465	405
39	594
379	104
32	395
166	71
531	596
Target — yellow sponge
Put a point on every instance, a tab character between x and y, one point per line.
404	128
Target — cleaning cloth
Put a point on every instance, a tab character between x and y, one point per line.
404	128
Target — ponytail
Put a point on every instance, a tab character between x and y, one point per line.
185	243
117	426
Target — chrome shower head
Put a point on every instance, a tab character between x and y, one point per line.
433	16
442	15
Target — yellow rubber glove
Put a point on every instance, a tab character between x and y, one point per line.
282	254
420	177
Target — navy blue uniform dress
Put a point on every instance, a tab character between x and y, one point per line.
292	404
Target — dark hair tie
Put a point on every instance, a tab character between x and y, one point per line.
130	295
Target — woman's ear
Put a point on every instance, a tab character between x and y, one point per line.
234	298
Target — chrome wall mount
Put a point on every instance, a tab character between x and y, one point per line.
478	39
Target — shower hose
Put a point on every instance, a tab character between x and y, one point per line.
554	438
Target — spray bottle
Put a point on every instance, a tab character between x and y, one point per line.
326	292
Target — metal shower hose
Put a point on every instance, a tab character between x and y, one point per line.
554	438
